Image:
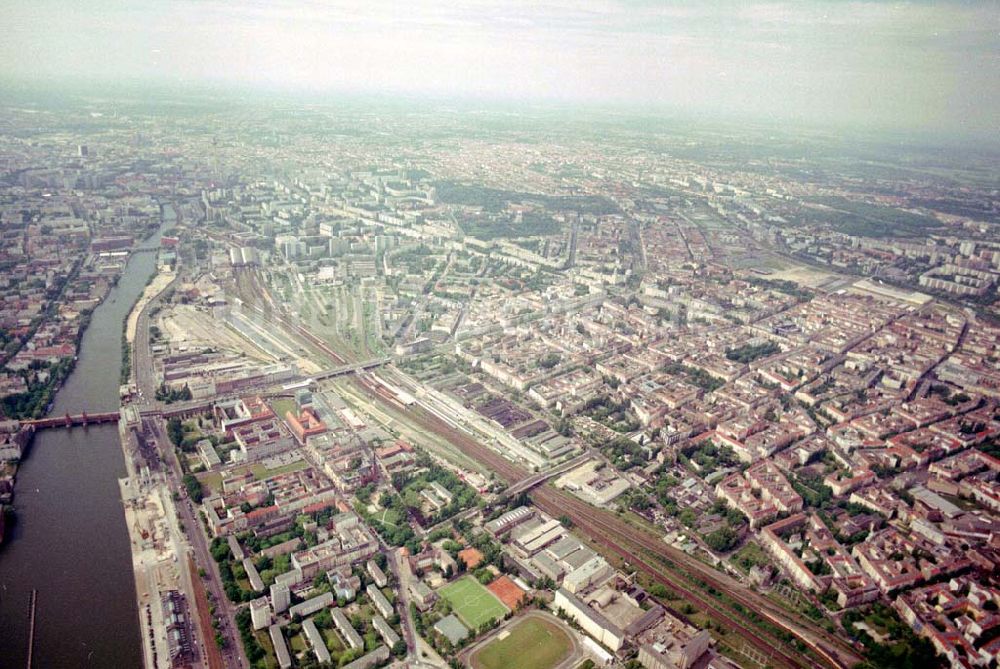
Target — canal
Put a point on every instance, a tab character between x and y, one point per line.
69	541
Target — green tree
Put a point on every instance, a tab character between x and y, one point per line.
194	489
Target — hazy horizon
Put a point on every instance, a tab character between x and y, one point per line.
924	67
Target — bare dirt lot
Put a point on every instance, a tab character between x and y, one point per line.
185	324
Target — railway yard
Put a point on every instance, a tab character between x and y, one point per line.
413	402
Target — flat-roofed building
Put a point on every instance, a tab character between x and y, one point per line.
291	578
422	595
452	629
382	627
234	546
548	567
672	644
592	622
280	649
281	597
253	576
372	659
260	613
593	571
207	454
379	600
346	630
311	606
377	574
316	640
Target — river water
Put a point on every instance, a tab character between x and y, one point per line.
69	541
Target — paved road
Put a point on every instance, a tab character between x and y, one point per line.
232	654
184	574
401	570
142	357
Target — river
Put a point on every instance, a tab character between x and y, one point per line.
69	541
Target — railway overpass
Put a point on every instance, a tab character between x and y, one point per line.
351	368
538	479
193	407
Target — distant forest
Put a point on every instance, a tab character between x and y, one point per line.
496	200
866	220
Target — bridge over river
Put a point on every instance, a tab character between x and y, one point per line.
72	420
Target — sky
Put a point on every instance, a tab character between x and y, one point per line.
918	65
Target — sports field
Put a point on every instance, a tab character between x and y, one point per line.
473	603
533	643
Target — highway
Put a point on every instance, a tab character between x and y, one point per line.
535	480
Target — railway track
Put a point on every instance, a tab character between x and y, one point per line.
618	537
768	647
623	539
615	534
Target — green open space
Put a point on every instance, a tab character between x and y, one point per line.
748	556
213	480
473	603
533	643
283	405
264	641
298	643
868	220
262	472
333	642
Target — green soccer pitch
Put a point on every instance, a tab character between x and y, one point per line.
473	603
533	643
